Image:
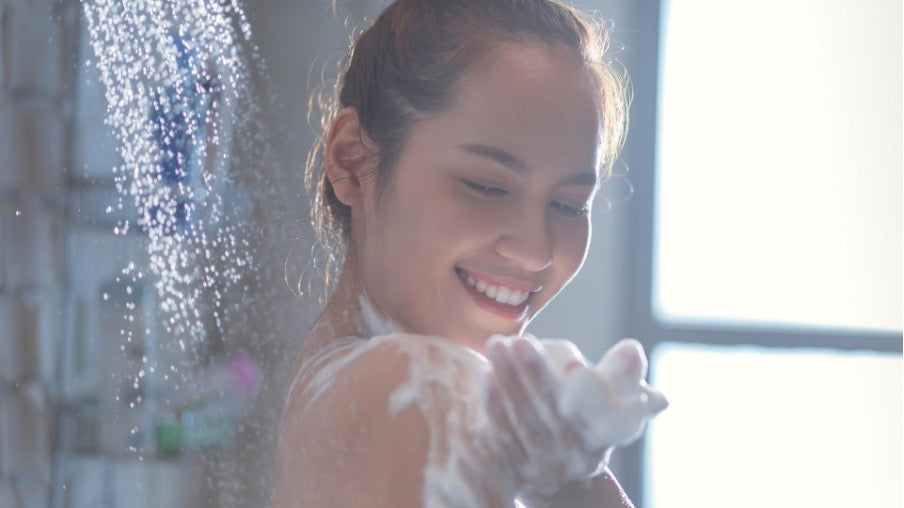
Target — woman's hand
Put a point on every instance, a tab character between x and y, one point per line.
543	449
611	401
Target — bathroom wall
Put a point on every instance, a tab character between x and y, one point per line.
35	111
64	435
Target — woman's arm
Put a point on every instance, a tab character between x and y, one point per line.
404	425
341	447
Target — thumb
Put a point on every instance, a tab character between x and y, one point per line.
625	363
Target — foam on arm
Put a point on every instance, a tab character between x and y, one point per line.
397	422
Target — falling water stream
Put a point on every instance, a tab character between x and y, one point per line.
195	163
175	80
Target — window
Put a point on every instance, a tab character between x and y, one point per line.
779	175
770	263
753	427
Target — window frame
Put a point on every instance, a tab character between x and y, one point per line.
645	23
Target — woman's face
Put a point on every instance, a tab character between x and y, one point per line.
485	214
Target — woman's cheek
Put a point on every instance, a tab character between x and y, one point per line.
572	242
475	212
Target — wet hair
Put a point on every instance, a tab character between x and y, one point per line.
405	65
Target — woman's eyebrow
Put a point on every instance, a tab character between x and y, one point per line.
513	162
588	178
498	155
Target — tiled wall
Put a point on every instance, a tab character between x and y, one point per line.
56	253
35	76
34	115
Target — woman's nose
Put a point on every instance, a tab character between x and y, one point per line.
527	242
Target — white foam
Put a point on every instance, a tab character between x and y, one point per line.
445	383
377	323
611	399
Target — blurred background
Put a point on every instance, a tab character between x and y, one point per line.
151	305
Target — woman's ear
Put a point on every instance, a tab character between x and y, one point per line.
348	157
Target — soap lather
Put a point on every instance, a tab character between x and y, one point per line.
610	400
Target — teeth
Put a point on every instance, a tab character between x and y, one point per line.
515	298
501	294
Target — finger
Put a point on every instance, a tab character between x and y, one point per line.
541	385
502	431
625	361
511	387
629	418
544	386
656	400
563	355
538	375
536	371
523	414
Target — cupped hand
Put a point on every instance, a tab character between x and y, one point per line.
543	449
611	401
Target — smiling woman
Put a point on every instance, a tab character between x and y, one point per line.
454	180
452	212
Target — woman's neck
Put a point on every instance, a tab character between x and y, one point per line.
350	313
342	315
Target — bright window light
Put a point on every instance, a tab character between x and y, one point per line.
752	427
780	164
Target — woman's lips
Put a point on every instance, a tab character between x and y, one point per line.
500	299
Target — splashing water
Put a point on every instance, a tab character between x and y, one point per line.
197	167
175	78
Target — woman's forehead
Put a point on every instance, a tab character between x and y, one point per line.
535	102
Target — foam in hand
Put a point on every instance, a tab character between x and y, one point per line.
611	399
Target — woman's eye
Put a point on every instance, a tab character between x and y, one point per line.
570	211
486	190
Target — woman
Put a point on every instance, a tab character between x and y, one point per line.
458	170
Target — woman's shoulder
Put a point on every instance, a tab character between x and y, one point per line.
363	410
379	363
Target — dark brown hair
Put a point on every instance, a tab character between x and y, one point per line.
404	66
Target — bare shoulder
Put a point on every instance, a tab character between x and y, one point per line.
361	438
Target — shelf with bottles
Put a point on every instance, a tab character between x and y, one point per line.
131	388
